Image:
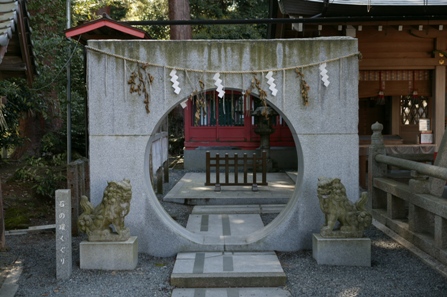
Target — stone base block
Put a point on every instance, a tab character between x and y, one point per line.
341	251
121	255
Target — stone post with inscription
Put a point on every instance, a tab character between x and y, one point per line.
63	234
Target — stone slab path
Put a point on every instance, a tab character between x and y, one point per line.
235	209
231	292
228	274
227	269
192	191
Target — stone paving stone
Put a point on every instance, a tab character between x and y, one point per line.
224	224
227	269
238	209
230	292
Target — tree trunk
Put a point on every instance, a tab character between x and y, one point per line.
31	129
179	10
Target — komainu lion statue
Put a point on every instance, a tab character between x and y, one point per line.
105	222
352	217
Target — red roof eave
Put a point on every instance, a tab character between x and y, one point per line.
85	28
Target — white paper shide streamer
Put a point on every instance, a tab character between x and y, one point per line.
218	84
174	80
271	83
324	76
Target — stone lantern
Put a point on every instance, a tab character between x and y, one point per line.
264	116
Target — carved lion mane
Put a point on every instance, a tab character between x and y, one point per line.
105	222
352	217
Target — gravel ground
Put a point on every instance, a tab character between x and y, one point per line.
394	272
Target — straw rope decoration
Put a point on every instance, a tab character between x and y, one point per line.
304	86
145	79
141	79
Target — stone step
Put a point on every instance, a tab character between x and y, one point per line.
224	225
238	209
227	269
231	292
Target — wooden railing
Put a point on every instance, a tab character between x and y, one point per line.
416	210
235	164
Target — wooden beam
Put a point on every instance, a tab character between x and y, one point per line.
429	32
13	67
439	96
386	64
25	49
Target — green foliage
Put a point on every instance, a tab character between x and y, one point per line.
86	10
21	101
206	9
228	10
53	51
16	218
47	174
154	10
52	143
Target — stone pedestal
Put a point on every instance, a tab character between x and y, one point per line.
120	255
341	251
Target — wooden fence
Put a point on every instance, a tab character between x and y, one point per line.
235	164
78	181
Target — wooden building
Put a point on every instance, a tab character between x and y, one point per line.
16	52
402	75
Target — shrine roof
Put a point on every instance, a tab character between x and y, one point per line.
105	28
356	8
16	53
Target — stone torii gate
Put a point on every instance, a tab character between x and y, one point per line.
323	72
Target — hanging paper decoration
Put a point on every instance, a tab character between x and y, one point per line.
271	83
324	76
174	81
218	84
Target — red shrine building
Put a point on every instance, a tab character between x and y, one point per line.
226	125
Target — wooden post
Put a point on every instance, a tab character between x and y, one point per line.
227	179
254	187
2	220
377	198
166	171
236	160
78	181
74	182
245	168
217	187
208	165
439	97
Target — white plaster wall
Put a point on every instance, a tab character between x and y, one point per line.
325	131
